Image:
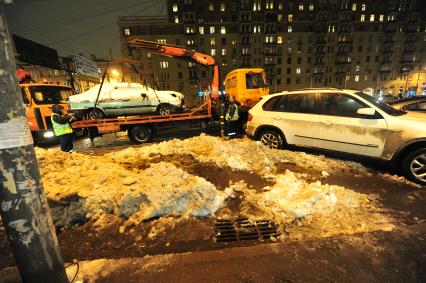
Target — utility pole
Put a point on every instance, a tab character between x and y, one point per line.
23	205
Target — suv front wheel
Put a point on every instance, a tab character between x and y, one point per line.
271	139
414	166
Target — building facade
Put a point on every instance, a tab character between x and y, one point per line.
376	46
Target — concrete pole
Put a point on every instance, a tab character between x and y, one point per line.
23	205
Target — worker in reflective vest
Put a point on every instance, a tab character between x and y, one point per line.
231	117
62	128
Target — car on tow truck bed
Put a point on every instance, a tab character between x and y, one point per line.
346	121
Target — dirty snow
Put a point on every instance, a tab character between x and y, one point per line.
96	187
239	154
104	187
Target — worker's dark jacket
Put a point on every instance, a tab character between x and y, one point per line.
61	119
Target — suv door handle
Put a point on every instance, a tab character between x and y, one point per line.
277	118
326	123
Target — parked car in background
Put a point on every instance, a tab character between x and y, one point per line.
125	99
347	121
388	98
415	104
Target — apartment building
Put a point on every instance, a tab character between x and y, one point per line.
376	46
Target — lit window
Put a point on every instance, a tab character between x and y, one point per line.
164	65
175	7
290	29
212	30
362	18
189	30
213	52
280	18
201	30
298	70
222	30
212	41
222	7
176	19
357	68
280	6
162	40
354	7
211	7
300	7
371	18
191	64
127	31
290	18
311	7
363	7
280	39
381	18
357	78
234	42
223	51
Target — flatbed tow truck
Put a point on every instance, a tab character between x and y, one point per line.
141	129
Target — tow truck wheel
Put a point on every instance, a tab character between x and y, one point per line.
140	134
164	109
95	114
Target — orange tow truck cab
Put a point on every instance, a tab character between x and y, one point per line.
39	99
246	85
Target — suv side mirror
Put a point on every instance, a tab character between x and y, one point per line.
366	111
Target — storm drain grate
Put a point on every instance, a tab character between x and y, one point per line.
243	229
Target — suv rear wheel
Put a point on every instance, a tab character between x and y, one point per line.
271	139
414	166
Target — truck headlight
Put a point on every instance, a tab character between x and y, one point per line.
48	134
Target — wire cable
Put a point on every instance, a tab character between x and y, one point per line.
98	28
66	21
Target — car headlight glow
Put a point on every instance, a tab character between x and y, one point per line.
48	134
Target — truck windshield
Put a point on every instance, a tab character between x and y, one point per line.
50	94
382	106
254	80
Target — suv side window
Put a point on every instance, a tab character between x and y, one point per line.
300	103
271	104
422	106
339	104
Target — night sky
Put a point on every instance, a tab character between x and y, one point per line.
82	26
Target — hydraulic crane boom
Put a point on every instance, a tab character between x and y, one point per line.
183	53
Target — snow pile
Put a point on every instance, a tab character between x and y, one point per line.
238	154
308	210
133	185
296	199
104	187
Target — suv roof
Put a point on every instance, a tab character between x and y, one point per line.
315	90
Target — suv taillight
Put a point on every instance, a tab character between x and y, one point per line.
250	117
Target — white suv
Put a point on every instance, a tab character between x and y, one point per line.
342	120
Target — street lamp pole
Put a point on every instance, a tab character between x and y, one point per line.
23	205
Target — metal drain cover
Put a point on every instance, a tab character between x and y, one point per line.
243	229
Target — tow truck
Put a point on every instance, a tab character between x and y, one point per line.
141	129
38	99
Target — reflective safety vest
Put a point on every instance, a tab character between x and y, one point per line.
60	129
232	113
